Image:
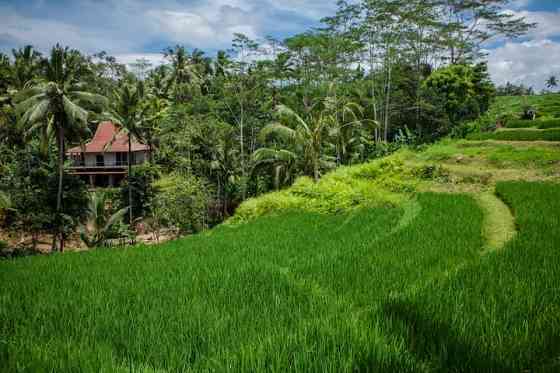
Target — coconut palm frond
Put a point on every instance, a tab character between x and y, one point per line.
74	112
36	113
90	98
353	110
113	117
267	155
25	94
25	105
285	111
280	130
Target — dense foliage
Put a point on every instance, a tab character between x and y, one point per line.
258	116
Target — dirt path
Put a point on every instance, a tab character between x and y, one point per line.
499	223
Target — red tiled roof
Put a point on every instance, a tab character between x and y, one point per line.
103	135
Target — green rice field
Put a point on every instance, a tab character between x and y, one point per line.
380	289
520	134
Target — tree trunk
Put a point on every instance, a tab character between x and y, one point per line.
130	220
387	101
59	191
242	149
151	152
316	167
372	78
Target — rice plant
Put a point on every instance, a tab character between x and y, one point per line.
379	289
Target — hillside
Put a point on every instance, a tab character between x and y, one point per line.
546	105
441	259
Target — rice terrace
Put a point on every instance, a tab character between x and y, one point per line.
369	186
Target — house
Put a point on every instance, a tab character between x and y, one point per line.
103	162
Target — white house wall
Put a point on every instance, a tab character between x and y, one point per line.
111	158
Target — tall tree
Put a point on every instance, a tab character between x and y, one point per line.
128	114
59	101
185	74
26	66
468	24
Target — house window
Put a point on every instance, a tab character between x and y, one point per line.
122	159
100	160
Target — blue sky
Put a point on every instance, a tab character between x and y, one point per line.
130	29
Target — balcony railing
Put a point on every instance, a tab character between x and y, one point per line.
116	164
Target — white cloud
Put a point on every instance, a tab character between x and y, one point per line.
204	27
548	23
315	9
530	63
44	33
128	26
155	59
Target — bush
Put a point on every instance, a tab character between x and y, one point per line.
518	135
142	192
181	203
464	91
383	182
529	112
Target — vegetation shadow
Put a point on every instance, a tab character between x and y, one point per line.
436	343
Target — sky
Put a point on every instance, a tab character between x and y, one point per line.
132	29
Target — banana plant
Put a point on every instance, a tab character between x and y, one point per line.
99	222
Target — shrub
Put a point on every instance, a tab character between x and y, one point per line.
465	91
529	112
142	192
181	203
378	183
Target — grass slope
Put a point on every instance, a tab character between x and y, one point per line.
391	279
503	313
295	292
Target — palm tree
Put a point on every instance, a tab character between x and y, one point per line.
58	104
26	66
184	72
349	132
327	117
156	110
551	82
307	137
128	114
282	162
99	221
